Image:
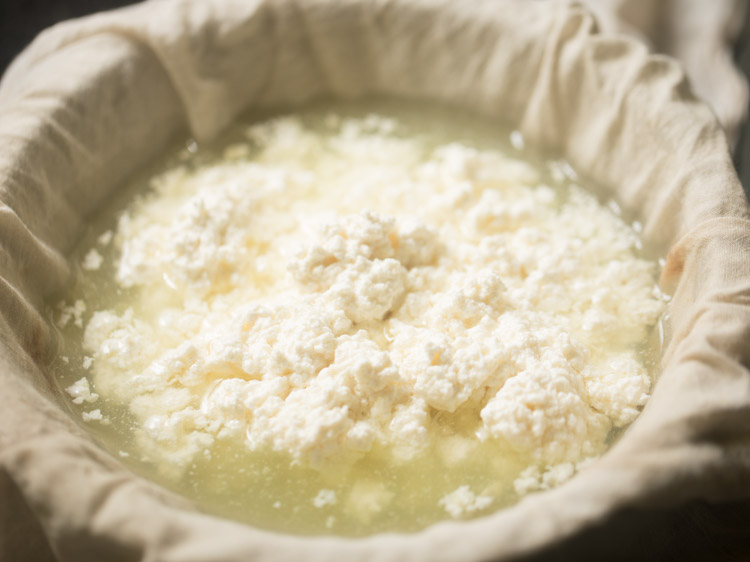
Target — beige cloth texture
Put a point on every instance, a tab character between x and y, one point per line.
92	100
701	34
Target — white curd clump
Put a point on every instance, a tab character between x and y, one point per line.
326	292
462	501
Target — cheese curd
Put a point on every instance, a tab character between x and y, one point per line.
328	290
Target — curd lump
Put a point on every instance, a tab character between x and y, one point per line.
347	322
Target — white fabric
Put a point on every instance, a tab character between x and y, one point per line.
700	35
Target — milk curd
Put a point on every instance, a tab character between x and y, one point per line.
360	318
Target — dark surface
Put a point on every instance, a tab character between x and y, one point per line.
22	20
698	532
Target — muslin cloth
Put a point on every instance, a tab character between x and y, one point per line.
700	35
92	100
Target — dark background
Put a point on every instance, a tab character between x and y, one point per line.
696	533
21	20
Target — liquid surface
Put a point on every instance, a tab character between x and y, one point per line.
490	321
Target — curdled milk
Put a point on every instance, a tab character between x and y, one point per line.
360	318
